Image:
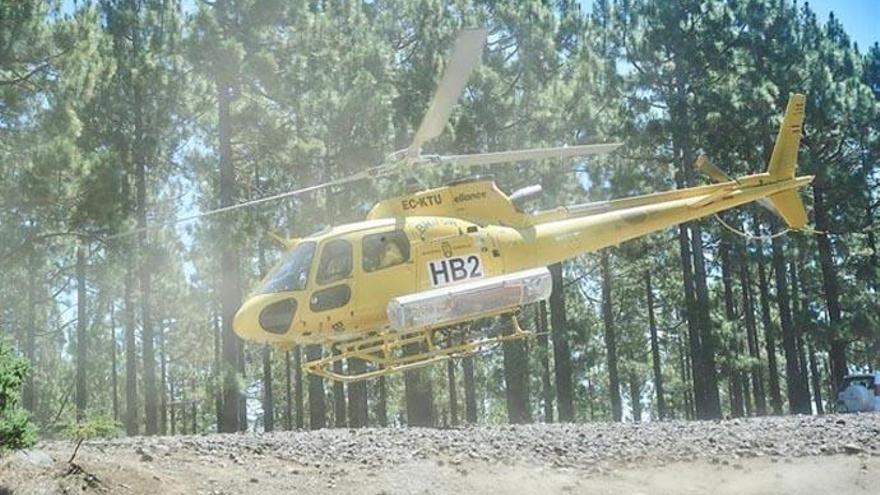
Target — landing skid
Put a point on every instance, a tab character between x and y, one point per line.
393	352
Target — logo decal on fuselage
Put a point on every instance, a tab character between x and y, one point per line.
455	269
469	196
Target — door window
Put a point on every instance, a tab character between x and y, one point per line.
384	250
330	298
335	261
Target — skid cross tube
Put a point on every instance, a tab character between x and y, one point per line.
385	351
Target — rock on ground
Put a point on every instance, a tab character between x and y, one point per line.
793	454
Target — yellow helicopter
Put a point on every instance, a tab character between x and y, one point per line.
393	289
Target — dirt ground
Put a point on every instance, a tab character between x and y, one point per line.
797	455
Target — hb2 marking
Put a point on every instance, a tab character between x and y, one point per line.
455	269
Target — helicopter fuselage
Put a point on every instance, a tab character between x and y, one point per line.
336	286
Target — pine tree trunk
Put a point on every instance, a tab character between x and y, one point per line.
516	375
298	400
242	400
837	353
681	149
194	405
266	352
114	369
561	350
798	399
382	407
610	338
163	381
317	405
873	258
816	379
181	408
172	416
591	398
288	393
217	372
733	374
132	423
747	395
28	391
470	390
151	402
685	367
357	396
418	394
769	337
453	395
543	346
799	320
339	416
635	397
802	323
712	405
690	307
268	398
151	408
868	167
82	342
655	348
229	269
752	335
702	341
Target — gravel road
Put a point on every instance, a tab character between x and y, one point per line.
795	452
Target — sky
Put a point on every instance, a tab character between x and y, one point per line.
860	18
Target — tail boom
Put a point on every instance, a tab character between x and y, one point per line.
564	233
555	241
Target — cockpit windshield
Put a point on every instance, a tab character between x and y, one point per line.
293	271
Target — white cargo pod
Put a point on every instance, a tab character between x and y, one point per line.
469	299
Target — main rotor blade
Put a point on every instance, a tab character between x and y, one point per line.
533	154
465	57
370	173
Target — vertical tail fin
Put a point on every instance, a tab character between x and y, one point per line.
783	163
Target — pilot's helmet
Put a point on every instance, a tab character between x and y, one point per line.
391	255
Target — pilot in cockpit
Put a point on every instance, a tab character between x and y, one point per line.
391	255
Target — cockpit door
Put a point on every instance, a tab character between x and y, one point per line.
333	286
386	271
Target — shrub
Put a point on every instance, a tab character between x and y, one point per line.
94	427
16	429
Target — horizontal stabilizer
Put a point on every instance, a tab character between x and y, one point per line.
789	206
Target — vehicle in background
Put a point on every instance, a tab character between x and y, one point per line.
856	394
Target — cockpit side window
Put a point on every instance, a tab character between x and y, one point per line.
384	250
293	271
335	261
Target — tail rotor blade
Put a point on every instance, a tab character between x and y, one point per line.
709	169
465	58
